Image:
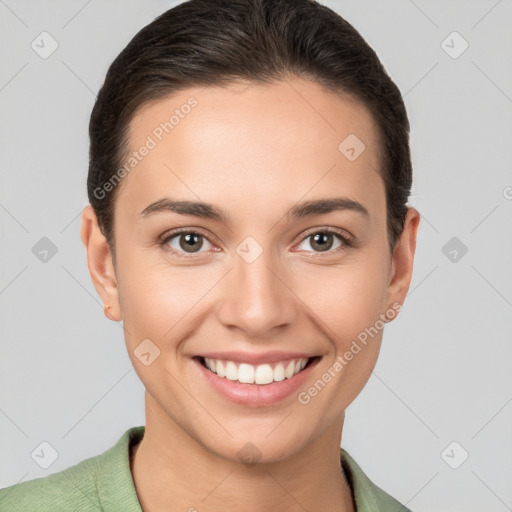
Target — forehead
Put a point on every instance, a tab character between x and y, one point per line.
253	147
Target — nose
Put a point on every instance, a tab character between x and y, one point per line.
257	298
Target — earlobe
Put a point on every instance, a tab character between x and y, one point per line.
99	263
403	259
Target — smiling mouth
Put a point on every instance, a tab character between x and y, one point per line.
261	374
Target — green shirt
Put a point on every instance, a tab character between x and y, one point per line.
104	483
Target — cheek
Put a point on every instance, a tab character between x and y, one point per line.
345	299
160	304
346	303
158	300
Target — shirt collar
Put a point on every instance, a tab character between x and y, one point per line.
116	489
367	496
115	485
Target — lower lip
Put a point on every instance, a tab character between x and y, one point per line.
256	394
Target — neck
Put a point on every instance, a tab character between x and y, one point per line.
174	472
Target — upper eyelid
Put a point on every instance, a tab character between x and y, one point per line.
335	231
181	231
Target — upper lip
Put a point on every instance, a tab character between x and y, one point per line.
255	359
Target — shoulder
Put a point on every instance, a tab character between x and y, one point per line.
79	487
367	495
73	486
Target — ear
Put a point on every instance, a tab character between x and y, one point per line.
403	259
99	262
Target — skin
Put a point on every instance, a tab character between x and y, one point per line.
255	151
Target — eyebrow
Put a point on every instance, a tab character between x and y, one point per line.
208	211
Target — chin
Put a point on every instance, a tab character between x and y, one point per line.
258	447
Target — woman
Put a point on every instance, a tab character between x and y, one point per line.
248	180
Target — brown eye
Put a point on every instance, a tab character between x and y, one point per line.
325	240
322	241
188	242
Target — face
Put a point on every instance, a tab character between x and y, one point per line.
248	239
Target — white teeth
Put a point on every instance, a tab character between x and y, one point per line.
231	371
246	373
221	371
264	374
278	372
289	371
260	374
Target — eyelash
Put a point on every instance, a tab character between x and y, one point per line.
347	241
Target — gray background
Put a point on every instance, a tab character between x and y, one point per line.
444	373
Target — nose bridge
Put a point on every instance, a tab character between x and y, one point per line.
257	300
